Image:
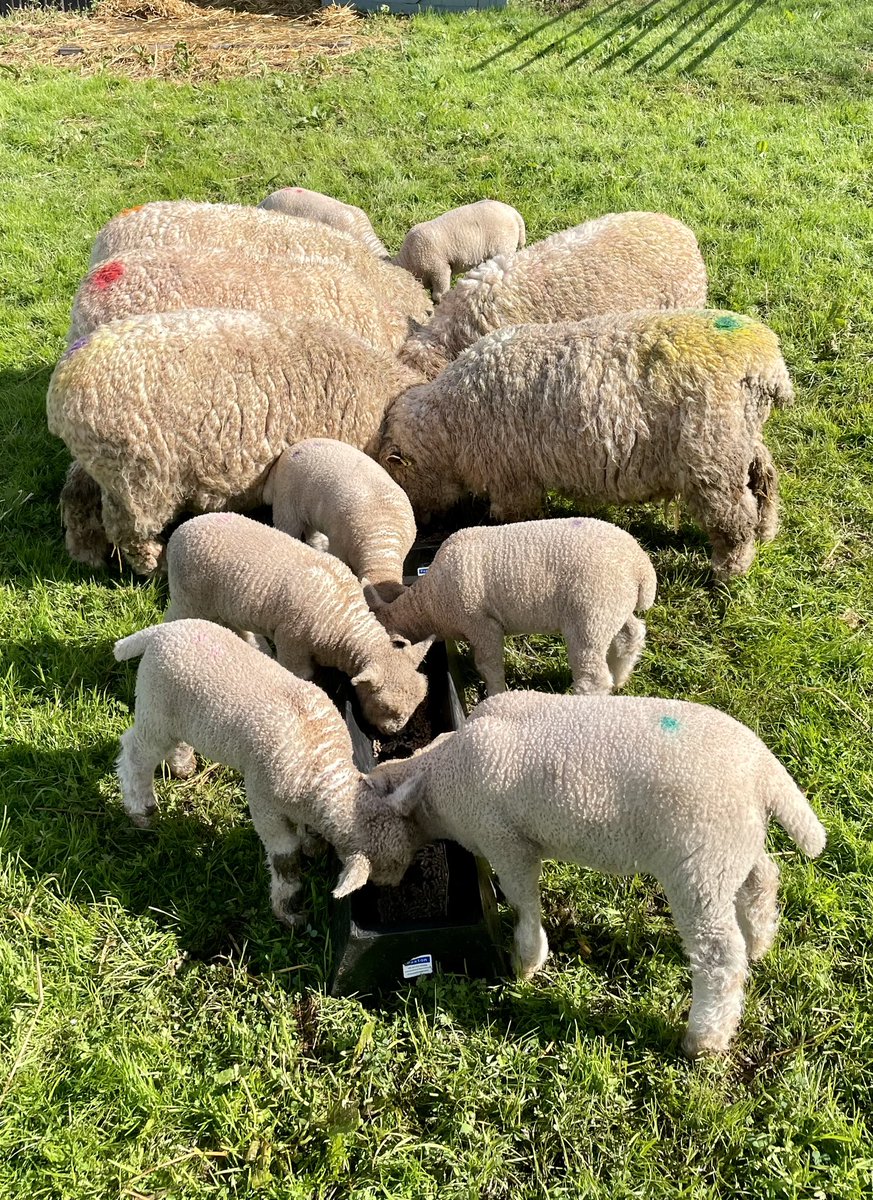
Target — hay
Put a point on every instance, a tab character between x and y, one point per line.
183	41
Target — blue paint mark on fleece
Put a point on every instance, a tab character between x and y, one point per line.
670	725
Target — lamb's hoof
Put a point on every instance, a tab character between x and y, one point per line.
289	918
145	819
696	1046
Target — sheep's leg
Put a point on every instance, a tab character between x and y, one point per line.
486	642
136	764
588	663
294	656
142	550
440	282
282	843
181	761
717	950
625	650
81	516
764	486
519	879
757	910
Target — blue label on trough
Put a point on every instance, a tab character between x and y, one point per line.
422	964
422	570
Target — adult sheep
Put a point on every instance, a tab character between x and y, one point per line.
373	299
187	412
617	409
616	263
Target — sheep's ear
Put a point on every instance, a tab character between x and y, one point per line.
417	652
414	326
404	799
371	675
393	455
355	873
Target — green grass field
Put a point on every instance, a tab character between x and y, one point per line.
161	1035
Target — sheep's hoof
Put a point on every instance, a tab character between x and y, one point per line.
291	920
144	819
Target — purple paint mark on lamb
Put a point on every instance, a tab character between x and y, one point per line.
77	345
576	521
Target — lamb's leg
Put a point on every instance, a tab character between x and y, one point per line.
519	879
142	550
486	642
588	663
293	656
757	910
136	764
717	950
282	843
255	641
440	283
625	650
181	761
317	540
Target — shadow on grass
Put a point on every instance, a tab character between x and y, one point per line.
692	30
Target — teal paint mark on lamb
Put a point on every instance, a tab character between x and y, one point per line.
728	322
670	725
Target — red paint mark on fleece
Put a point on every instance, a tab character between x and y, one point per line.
125	212
107	274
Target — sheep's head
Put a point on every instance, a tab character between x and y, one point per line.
429	484
391	688
391	837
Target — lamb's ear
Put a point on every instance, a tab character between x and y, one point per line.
417	652
371	675
371	595
355	873
405	798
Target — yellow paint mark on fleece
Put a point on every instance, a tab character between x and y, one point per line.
709	339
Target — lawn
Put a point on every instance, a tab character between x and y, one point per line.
161	1035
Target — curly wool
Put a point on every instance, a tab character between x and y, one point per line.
200	686
621	785
373	300
225	568
622	409
315	206
187	224
572	576
186	412
325	487
435	250
616	263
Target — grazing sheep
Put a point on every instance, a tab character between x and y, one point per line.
459	239
186	224
315	206
621	785
616	263
199	686
375	303
617	409
187	412
257	580
580	578
324	487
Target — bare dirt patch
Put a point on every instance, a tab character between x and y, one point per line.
185	42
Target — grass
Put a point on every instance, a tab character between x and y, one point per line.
161	1036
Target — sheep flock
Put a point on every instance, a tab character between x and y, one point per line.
223	357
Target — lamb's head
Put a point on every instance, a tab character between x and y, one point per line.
389	838
390	688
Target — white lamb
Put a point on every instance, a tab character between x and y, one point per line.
435	250
621	785
573	576
315	206
325	488
226	568
200	686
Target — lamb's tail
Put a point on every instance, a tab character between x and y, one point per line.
787	803
136	644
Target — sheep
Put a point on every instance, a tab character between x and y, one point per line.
187	411
621	785
580	578
229	569
616	409
186	224
377	302
200	686
435	250
315	206
616	263
324	488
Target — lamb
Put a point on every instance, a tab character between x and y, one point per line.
226	568
187	412
315	206
435	250
580	578
324	488
620	785
200	686
616	409
616	263
188	225
376	301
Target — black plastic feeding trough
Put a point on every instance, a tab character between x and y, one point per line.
442	918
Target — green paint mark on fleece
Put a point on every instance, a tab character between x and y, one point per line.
728	322
669	724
